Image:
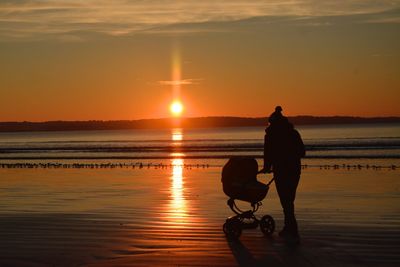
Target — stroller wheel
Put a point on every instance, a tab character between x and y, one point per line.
267	225
232	228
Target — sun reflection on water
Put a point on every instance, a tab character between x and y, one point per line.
177	134
178	209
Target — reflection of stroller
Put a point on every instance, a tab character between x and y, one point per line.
239	181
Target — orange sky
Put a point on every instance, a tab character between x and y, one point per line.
221	59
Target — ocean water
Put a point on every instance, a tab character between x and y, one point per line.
328	144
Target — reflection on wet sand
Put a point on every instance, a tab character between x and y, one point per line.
173	217
178	201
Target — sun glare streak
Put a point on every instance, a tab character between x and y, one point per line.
176	72
176	107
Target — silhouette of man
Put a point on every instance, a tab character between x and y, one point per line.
283	149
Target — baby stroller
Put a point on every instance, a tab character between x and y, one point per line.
239	181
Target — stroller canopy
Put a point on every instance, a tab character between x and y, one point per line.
239	180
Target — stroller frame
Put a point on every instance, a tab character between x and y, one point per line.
234	225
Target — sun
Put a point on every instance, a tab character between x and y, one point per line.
176	108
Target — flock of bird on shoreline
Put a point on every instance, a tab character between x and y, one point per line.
141	165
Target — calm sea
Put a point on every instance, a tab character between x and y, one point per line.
367	143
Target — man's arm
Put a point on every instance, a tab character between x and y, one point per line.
267	152
299	144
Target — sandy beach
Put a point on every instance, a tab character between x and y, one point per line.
174	217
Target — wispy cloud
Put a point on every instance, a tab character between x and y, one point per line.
180	82
23	18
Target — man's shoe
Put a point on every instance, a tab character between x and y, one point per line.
292	239
284	232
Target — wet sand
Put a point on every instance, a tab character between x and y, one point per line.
174	217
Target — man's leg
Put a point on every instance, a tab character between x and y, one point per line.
292	187
286	187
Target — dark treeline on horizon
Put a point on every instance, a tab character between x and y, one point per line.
201	122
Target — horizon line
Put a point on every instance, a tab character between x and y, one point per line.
203	117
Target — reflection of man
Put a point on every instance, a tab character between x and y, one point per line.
283	149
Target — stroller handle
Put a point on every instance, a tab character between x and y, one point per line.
270	182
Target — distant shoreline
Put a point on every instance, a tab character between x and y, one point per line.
165	123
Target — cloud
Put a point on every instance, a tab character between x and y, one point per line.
180	82
27	19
